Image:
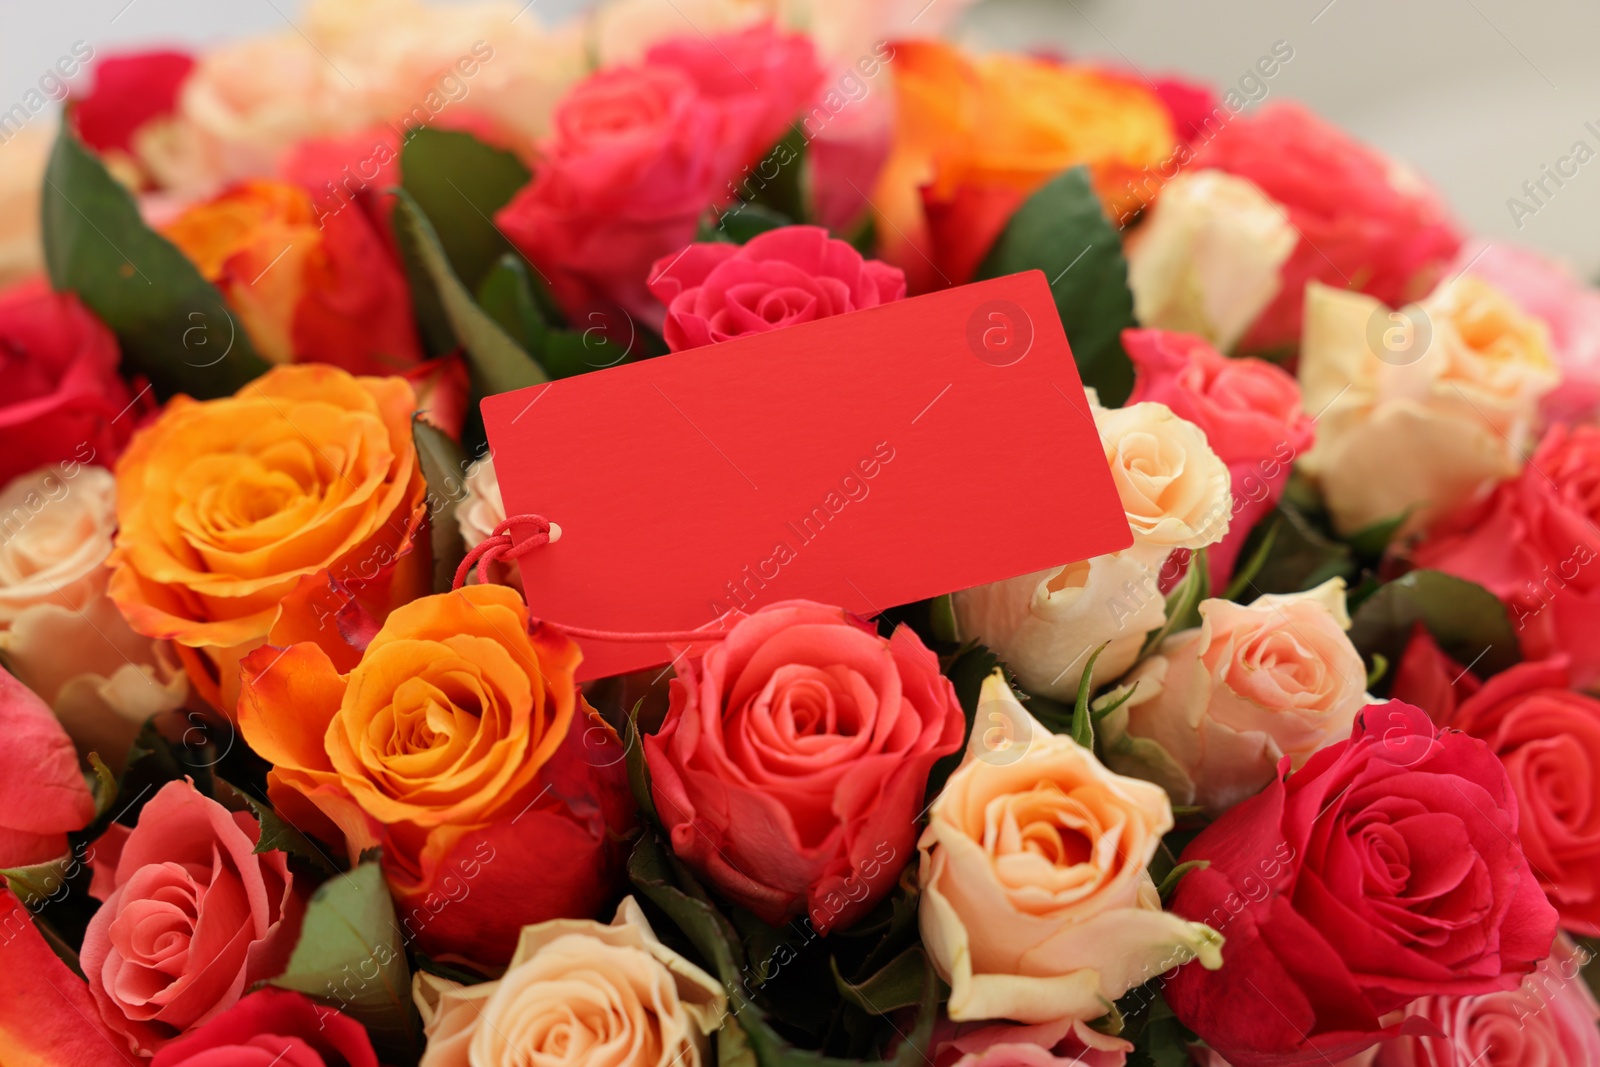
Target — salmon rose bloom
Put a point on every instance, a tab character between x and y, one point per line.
225	505
459	744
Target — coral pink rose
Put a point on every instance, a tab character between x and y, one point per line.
1249	411
1064	1043
1548	1021
42	795
1548	737
129	91
62	398
1384	869
794	757
1364	221
1533	543
193	917
716	291
273	1028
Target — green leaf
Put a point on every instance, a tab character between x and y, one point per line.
1183	603
1244	576
898	985
741	222
276	833
1062	231
351	956
459	183
1467	621
1302	556
942	617
863	236
966	673
1370	542
1380	667
1082	726
174	326
498	364
1169	884
444	465
638	769
778	182
507	294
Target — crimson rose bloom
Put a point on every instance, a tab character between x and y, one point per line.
129	91
1364	221
794	757
62	397
717	291
192	917
1548	738
273	1028
1248	409
1533	543
1385	869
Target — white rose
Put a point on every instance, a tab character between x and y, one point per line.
1422	407
655	1008
1219	705
62	635
479	512
1206	259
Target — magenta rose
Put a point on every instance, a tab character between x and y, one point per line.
192	917
794	757
62	399
717	291
273	1028
1364	221
1385	869
1248	409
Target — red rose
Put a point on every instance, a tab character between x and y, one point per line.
1364	222
62	398
1533	543
42	794
794	757
273	1028
128	92
1548	738
1249	411
716	292
1385	869
192	919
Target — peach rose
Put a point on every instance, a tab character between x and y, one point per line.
1173	486
1036	902
580	993
193	917
21	179
1418	408
480	511
1044	625
1218	706
458	742
1206	259
60	633
225	505
1062	1043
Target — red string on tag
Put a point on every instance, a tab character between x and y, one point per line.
501	545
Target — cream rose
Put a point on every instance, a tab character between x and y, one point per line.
479	512
1218	706
1172	485
579	993
1206	259
1418	408
62	635
21	179
1036	902
1044	625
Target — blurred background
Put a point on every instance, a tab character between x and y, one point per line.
1478	95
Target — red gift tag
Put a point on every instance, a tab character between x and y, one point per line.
865	460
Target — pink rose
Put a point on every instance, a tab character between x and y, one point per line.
1364	221
1548	290
192	919
716	291
273	1028
1064	1043
42	795
62	398
1533	543
1548	1021
794	757
1249	410
759	75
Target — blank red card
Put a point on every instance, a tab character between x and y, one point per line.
866	460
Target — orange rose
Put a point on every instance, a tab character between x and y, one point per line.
975	138
225	506
306	287
458	743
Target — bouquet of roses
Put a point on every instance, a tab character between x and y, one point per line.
295	776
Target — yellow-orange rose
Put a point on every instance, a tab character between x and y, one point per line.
983	134
458	743
1036	902
224	505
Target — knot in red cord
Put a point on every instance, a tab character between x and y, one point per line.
501	545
